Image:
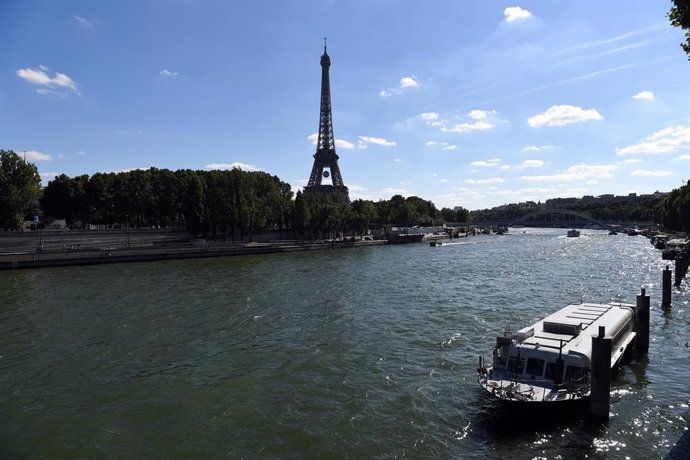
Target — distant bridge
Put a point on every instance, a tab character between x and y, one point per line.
547	217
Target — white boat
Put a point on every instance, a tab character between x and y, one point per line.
550	361
573	233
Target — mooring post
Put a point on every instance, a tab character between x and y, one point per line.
666	288
600	401
642	322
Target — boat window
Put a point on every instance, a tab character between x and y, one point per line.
535	366
550	371
574	372
511	365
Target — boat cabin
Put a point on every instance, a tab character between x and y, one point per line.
559	347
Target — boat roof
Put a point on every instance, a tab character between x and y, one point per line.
574	326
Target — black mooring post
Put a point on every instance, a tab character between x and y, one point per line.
642	323
600	401
666	287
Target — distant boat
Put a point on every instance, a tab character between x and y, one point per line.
435	243
573	233
550	361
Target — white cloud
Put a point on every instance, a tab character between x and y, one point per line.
405	84
466	127
489	181
314	138
533	163
83	21
667	140
443	145
644	96
40	77
515	14
344	144
481	120
33	155
580	171
409	82
683	158
537	148
479	114
561	115
168	73
235	165
486	163
396	191
363	140
647	173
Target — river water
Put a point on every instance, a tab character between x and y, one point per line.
355	353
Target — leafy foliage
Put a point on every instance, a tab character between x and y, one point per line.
675	209
206	202
20	187
680	17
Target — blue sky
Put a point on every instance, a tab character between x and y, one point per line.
465	103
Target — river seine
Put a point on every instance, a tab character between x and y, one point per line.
357	353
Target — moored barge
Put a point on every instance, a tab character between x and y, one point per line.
549	363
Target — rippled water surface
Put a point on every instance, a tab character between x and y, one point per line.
359	353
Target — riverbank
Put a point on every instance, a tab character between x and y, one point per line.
111	254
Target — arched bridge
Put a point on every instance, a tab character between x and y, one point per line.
561	217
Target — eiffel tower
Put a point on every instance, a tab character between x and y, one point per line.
325	158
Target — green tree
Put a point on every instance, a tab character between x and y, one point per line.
302	215
20	187
65	198
680	17
363	213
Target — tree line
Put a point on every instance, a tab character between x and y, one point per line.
208	203
231	203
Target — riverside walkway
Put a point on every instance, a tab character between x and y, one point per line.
107	252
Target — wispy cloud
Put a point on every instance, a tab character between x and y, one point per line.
40	77
667	140
83	21
561	115
405	84
168	73
516	14
608	41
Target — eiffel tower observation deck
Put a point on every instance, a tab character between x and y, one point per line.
326	167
